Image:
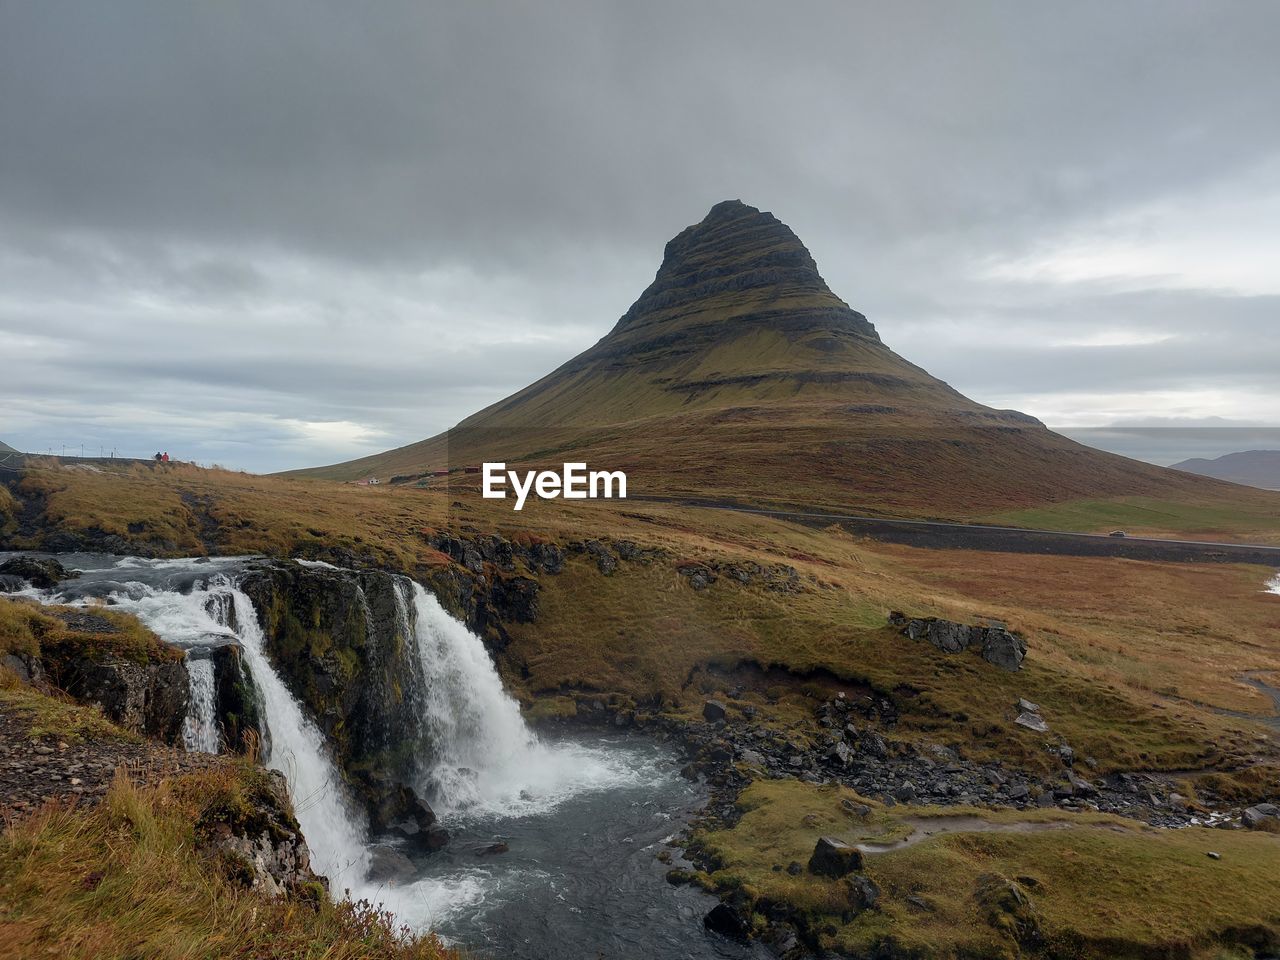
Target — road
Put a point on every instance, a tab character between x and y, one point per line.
941	535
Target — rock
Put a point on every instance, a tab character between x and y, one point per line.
259	840
1214	855
1262	816
997	645
1003	649
43	573
148	697
1026	706
1066	755
833	857
515	599
437	837
1008	907
752	758
494	848
794	868
11	583
724	920
387	864
1032	722
905	793
863	892
713	711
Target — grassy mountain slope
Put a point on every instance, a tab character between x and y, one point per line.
738	373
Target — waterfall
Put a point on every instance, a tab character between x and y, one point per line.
484	759
200	728
216	611
335	833
1274	585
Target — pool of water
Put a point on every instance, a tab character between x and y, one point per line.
581	879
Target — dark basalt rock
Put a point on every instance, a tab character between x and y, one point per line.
235	699
724	920
43	573
150	698
996	644
833	857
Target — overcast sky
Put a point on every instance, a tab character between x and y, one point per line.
282	234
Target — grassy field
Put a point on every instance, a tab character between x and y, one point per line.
1097	886
1147	516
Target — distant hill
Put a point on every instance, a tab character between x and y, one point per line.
1253	468
5	448
739	374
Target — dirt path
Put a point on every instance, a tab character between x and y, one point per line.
36	769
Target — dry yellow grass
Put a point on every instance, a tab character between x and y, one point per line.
125	880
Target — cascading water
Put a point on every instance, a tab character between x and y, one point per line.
1274	585
200	729
574	811
485	760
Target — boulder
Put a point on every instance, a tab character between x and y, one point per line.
713	711
259	841
833	857
150	698
43	573
1003	649
389	865
724	920
1032	722
1262	816
993	641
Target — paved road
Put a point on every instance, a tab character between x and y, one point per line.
939	535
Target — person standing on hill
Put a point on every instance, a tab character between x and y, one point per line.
157	456
165	458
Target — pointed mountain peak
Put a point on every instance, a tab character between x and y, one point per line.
735	261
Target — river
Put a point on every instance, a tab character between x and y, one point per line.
583	817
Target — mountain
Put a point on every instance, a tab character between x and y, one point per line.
1253	468
739	374
5	448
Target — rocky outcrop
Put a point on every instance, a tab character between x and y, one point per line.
992	641
343	643
235	699
1262	816
149	698
257	839
44	573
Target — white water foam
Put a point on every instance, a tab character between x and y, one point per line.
200	728
336	834
1274	585
486	760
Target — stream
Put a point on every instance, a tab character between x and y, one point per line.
583	817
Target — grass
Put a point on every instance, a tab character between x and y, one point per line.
1130	659
56	634
127	879
54	715
1149	516
1099	888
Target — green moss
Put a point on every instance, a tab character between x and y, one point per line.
1097	886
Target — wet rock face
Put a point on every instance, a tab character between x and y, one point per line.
993	642
235	702
146	698
259	841
342	643
44	573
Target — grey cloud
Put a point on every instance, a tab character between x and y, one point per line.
325	211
